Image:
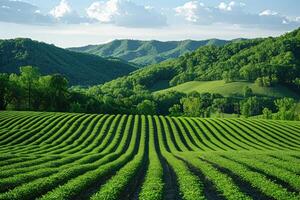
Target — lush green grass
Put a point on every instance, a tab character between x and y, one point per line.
233	88
81	156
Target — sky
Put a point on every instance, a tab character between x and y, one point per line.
71	23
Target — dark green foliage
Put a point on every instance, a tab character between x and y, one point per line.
145	53
273	60
267	113
166	100
29	79
247	92
31	91
250	107
147	107
79	68
270	61
175	110
286	109
4	86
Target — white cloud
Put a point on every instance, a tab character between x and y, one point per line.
194	12
233	13
61	10
231	6
189	11
21	12
268	13
125	13
63	13
104	12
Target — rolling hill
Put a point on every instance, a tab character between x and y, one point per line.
79	68
275	60
145	53
231	89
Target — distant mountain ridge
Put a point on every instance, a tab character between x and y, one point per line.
145	53
79	68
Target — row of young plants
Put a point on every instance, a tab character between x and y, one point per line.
20	132
268	137
153	186
51	128
258	136
36	187
47	169
257	180
75	186
290	178
213	135
114	188
190	186
282	138
223	183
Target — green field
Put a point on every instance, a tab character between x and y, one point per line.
228	89
106	157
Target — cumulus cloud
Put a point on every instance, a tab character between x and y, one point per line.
125	13
231	6
21	12
195	12
63	12
232	13
25	13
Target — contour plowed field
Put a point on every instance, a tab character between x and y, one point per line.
80	156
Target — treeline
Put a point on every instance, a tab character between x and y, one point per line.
31	91
194	104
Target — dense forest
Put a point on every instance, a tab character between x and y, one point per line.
145	53
79	68
265	62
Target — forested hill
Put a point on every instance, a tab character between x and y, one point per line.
79	68
147	52
265	61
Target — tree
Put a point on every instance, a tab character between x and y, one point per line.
250	107
76	107
230	76
267	113
59	90
29	77
175	110
147	107
15	95
286	108
4	86
219	105
191	106
247	92
166	100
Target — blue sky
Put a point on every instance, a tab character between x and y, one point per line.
79	22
